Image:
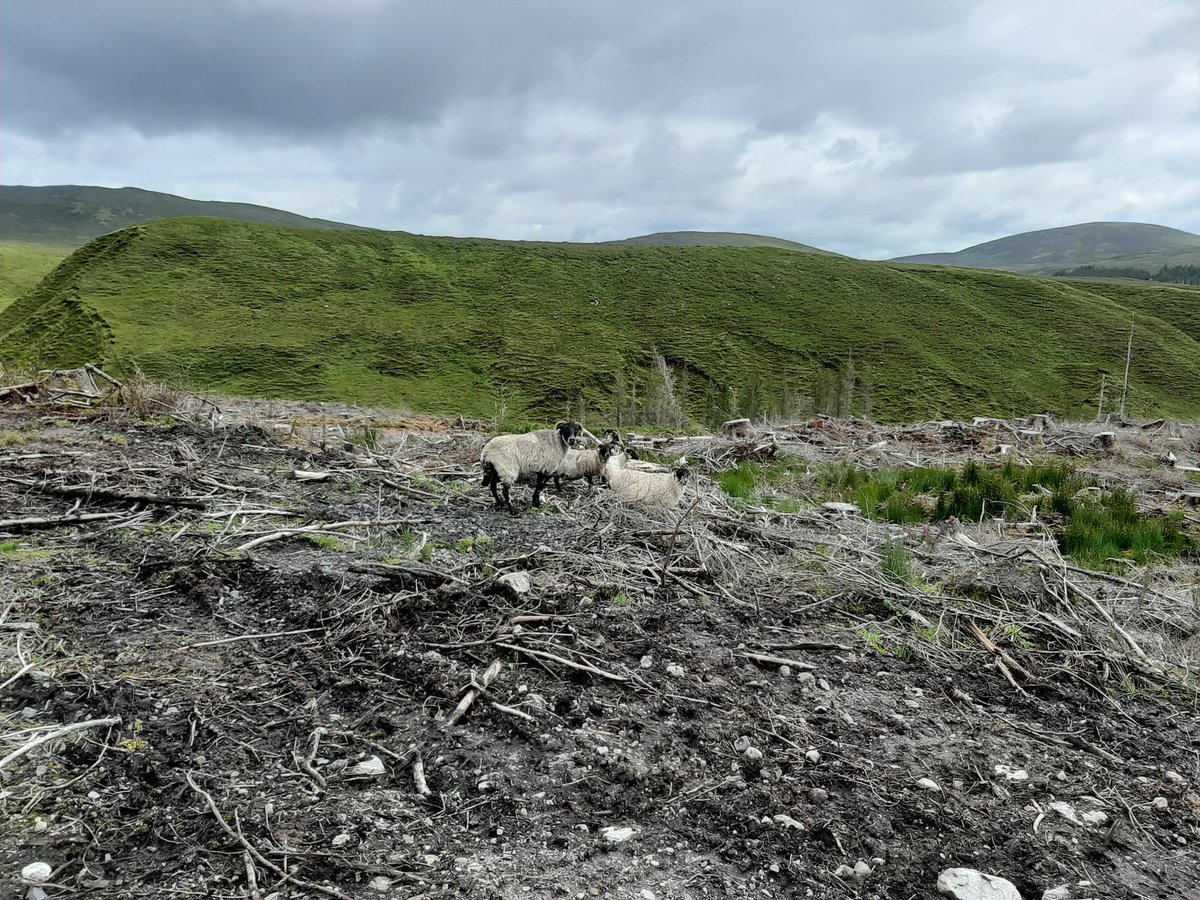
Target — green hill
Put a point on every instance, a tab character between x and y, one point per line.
717	239
540	330
71	215
1044	252
23	265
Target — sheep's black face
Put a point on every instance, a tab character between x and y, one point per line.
604	451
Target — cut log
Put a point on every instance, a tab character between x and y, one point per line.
736	428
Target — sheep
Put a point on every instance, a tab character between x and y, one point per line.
584	463
662	490
510	458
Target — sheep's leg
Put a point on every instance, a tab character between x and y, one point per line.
495	495
507	499
589	478
558	483
537	489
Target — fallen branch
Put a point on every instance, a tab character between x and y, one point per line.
582	667
248	637
56	734
308	529
764	659
476	688
56	521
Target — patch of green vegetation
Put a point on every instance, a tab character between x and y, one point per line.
1112	528
325	541
897	564
463	326
622	600
10	546
23	265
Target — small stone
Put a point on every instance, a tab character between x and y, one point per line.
380	883
813	756
616	834
40	825
340	840
93	795
646	661
928	784
370	767
1066	810
785	671
818	795
1174	777
515	584
807	680
1095	817
1062	892
743	743
1159	803
788	822
37	872
969	884
675	671
876	862
843	872
1012	773
861	870
823	684
647	894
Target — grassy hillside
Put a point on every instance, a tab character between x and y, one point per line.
475	327
717	239
23	265
72	215
1052	249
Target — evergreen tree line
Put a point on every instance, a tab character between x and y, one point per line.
1168	274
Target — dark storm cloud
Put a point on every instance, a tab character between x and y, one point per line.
871	127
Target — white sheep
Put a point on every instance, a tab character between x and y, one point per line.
509	458
662	490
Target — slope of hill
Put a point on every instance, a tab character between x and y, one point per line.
477	327
22	265
72	215
1043	252
717	239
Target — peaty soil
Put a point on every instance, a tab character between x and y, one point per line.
736	704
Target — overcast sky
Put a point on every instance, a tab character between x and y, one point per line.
869	127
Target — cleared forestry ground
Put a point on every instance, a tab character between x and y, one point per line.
251	656
545	331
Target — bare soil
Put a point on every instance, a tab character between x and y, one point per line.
731	703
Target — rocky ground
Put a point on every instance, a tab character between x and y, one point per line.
292	651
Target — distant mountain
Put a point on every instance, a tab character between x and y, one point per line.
1047	251
68	214
717	239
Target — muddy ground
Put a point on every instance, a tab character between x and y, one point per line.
739	703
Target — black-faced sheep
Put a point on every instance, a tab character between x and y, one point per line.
660	490
510	458
584	463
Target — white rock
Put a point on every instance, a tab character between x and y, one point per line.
37	872
340	840
646	661
36	893
1066	810
515	583
743	743
813	756
788	822
928	784
380	883
876	862
1095	817
1159	803
969	884
647	894
843	872
1174	776
861	870
370	767
1012	773
785	671
40	825
617	834
675	671
1062	892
